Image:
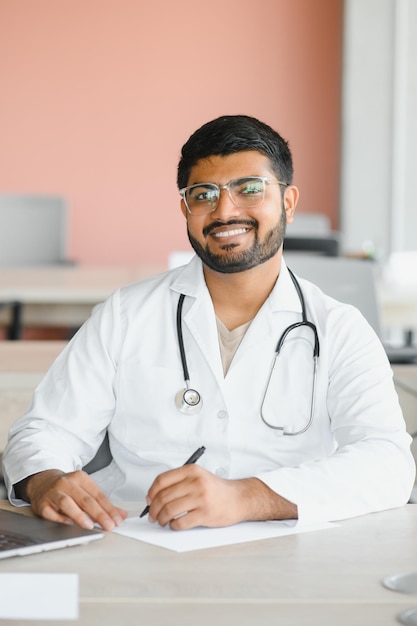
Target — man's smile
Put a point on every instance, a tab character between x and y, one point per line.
228	229
230	233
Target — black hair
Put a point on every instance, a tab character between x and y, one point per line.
235	133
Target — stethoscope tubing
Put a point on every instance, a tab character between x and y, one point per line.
186	407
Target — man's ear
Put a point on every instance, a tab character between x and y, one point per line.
290	202
183	209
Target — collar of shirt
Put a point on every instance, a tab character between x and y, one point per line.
190	281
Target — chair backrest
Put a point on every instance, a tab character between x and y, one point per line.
324	246
311	232
305	224
33	230
348	280
102	458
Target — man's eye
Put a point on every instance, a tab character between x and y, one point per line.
251	188
205	196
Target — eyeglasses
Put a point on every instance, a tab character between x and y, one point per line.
245	193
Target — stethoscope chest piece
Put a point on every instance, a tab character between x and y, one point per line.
188	401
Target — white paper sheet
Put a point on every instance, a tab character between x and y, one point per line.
200	538
39	596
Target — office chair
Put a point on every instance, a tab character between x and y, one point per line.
351	281
311	232
317	224
33	232
326	246
102	458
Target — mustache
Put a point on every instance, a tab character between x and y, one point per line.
217	224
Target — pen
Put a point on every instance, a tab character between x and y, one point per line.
193	458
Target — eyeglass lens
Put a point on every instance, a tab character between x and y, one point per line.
244	192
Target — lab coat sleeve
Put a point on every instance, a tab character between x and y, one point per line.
372	467
72	406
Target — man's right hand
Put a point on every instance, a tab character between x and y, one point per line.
69	498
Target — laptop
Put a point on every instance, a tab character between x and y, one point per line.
21	535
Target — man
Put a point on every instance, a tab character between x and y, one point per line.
291	441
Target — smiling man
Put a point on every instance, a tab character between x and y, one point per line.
289	391
232	242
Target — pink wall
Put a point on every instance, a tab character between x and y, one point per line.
97	97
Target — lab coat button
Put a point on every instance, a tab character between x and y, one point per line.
222	414
220	471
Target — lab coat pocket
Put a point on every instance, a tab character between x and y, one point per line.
147	417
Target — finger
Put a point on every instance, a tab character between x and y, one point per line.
115	513
170	502
164	485
204	497
59	506
91	499
164	481
51	514
188	520
85	510
78	498
169	512
180	500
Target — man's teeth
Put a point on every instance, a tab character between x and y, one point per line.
230	233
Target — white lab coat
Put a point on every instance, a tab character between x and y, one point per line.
122	371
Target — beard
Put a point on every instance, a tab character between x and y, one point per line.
233	261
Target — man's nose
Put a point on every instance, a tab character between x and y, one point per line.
225	206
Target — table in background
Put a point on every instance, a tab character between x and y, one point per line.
398	308
321	578
64	295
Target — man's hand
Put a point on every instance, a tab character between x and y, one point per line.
72	497
191	496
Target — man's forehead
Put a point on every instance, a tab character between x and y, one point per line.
243	163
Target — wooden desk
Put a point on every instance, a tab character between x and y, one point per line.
28	357
319	578
64	295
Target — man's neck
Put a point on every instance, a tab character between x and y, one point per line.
238	297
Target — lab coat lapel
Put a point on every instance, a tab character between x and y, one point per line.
281	308
198	315
284	295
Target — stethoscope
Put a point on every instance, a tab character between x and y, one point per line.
189	401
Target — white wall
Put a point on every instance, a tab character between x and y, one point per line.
379	126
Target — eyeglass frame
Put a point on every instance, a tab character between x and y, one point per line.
265	179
